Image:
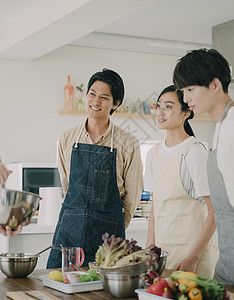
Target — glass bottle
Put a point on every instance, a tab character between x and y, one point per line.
139	107
79	97
68	95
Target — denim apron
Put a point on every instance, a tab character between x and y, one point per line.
224	216
92	205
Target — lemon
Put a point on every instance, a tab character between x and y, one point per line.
56	275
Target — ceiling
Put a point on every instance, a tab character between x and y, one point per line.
32	28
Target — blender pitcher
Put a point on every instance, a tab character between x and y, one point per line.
72	258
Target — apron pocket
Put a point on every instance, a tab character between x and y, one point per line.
71	231
100	185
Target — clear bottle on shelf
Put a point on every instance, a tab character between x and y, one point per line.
139	107
79	93
127	105
68	95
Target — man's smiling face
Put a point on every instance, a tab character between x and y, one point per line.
99	100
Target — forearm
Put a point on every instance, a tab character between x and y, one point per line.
130	206
131	199
151	232
4	173
205	234
62	168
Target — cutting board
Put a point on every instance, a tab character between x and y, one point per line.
23	296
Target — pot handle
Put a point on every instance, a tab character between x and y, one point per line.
38	253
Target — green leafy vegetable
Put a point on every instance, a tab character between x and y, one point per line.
90	276
118	252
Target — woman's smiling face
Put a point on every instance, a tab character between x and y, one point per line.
168	112
99	100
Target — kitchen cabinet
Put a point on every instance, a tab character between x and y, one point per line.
34	238
200	118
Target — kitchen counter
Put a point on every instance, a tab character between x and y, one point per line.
32	283
136	222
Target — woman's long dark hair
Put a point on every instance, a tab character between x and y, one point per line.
184	107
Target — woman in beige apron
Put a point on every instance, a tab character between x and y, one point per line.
181	222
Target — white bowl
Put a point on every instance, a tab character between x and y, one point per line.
143	295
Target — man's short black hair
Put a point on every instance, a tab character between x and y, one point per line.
115	82
200	67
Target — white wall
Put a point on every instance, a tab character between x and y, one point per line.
31	94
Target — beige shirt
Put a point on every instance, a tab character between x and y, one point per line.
128	163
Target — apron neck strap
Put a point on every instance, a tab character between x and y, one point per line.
226	109
224	115
78	137
112	137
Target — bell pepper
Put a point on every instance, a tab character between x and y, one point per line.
167	293
195	294
211	288
157	288
185	284
182	297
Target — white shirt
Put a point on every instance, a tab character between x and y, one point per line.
225	152
193	168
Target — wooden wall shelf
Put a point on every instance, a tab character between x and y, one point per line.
201	118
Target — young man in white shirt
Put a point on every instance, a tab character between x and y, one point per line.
204	76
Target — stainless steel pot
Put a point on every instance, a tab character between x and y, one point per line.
17	265
136	268
17	207
122	286
121	282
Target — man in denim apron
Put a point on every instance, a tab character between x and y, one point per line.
92	205
204	76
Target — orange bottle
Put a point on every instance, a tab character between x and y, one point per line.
68	94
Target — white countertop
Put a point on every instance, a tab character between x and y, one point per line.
34	228
37	229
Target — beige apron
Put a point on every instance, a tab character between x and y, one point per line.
178	217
